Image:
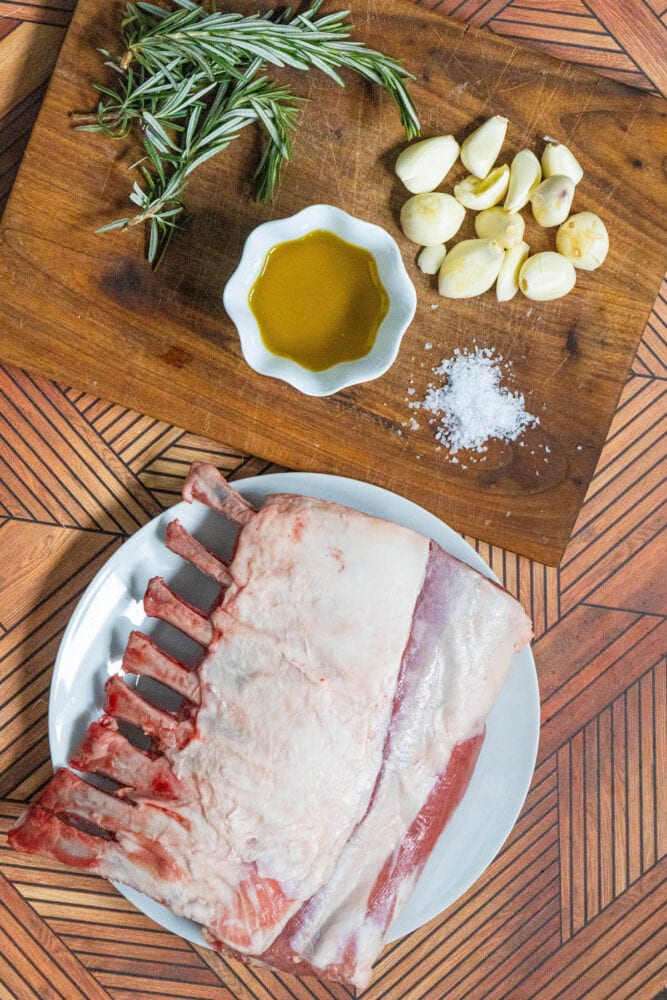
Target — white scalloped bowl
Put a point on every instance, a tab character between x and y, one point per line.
392	273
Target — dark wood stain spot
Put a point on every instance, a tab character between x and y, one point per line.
125	283
175	357
338	133
637	163
572	342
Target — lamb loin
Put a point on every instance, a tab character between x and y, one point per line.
326	735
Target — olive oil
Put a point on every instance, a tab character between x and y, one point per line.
319	301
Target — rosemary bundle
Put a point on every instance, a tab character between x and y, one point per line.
189	80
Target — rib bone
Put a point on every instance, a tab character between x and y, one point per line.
106	751
181	542
207	484
67	793
42	832
161	602
143	657
124	703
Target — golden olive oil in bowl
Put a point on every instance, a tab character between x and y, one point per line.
320	299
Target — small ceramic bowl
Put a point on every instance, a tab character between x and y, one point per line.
394	277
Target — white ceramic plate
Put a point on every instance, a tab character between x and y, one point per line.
95	638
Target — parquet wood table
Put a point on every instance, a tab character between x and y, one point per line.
574	905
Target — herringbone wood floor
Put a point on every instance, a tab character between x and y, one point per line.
574	905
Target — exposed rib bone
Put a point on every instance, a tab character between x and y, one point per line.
106	751
143	657
67	793
40	832
207	484
124	703
180	541
161	602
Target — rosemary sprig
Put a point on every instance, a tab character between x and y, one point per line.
190	80
218	44
209	131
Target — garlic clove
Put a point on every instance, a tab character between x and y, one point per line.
431	218
497	224
478	194
424	165
558	159
552	199
546	276
584	240
430	258
480	150
470	268
525	175
507	284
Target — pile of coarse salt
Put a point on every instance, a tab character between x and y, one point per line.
472	407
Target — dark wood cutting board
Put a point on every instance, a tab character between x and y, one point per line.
86	309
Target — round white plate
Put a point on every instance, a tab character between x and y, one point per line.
93	644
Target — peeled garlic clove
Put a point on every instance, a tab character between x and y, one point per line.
431	218
552	200
507	284
470	268
584	240
486	193
423	165
558	159
430	259
497	224
547	276
525	175
480	150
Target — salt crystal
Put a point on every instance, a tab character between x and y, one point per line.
414	426
411	392
472	406
428	346
434	305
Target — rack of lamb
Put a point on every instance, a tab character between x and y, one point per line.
327	733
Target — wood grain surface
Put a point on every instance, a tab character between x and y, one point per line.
86	308
573	907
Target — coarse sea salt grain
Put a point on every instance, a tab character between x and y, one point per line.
472	406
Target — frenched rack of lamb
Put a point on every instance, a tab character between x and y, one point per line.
326	734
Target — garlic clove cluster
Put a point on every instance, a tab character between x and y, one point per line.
424	165
499	254
481	149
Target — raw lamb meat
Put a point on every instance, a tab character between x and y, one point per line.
326	734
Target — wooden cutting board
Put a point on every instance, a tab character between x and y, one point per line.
86	309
